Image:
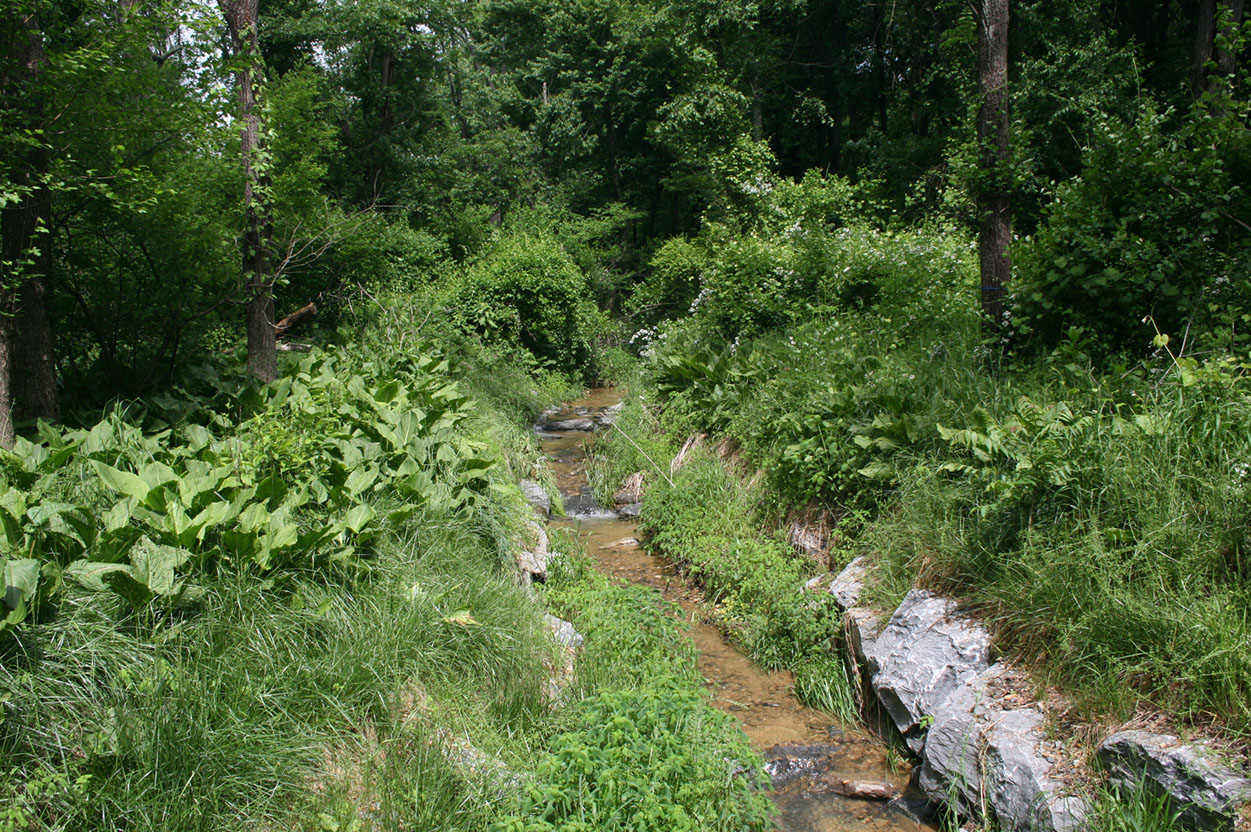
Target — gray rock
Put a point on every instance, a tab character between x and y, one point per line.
847	587
821	583
536	496
982	757
560	673
808	540
862	627
632	510
564	633
921	656
569	425
534	555
608	416
1207	792
478	767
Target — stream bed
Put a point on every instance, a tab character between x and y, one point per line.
811	756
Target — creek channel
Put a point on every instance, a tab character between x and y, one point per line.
812	758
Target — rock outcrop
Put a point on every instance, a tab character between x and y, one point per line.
986	755
1206	791
925	651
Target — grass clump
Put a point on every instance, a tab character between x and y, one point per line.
644	749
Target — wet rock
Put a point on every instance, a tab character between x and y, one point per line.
981	753
787	763
580	423
862	789
632	510
631	490
914	808
623	543
608	416
536	496
1208	793
922	655
533	557
849	584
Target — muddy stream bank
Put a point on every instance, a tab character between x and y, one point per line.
811	756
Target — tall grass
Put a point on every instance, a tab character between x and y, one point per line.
224	719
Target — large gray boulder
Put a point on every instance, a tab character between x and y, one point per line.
922	655
536	496
982	756
1206	791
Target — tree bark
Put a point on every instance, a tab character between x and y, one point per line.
242	20
27	366
34	393
1227	60
1205	37
995	232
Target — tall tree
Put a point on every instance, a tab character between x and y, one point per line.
243	23
27	371
994	204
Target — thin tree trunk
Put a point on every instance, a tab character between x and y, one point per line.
995	234
243	22
1205	36
7	435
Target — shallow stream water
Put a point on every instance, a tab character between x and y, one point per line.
808	752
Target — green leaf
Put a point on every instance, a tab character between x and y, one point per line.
360	479
358	517
462	618
21	579
122	482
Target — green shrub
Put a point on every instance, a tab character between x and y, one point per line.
529	291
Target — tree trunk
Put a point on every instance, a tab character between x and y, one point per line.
995	233
27	367
242	20
1205	37
35	392
7	434
1227	60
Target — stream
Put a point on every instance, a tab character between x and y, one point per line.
810	755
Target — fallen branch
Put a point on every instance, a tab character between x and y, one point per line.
295	319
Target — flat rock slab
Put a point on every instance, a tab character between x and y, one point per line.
925	651
536	496
980	752
564	425
1206	791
